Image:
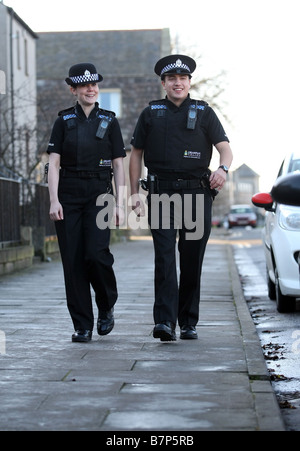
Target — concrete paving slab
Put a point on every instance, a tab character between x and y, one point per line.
127	381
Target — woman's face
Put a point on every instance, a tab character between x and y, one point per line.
86	94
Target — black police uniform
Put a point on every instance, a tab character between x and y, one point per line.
179	157
85	174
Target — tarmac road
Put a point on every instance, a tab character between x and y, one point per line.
279	333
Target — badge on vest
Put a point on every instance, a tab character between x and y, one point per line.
192	155
105	163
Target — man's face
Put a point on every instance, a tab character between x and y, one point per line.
177	87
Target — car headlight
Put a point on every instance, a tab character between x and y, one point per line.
289	218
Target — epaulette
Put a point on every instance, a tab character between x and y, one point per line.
201	104
106	118
158	105
69	116
161	104
67	111
108	113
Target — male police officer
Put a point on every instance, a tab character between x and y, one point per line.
176	136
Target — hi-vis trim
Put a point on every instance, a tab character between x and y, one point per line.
178	65
86	78
69	116
158	107
199	107
102	116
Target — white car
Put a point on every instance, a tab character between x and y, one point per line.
281	238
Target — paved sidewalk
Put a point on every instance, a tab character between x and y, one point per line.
128	381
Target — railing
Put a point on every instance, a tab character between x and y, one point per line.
35	207
9	211
23	203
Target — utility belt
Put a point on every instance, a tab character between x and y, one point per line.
104	176
154	185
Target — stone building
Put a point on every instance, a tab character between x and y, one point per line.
18	118
124	58
241	185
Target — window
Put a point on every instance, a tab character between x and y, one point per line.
245	187
110	99
26	56
294	166
18	50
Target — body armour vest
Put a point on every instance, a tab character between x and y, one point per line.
172	144
86	143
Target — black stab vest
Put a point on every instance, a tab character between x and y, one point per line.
81	147
170	145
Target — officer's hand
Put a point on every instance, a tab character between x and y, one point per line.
56	211
119	215
138	205
217	179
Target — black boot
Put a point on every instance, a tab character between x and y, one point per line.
82	336
106	322
188	333
165	331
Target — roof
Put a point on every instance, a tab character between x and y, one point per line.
245	171
123	52
21	22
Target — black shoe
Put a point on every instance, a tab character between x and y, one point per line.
82	336
188	333
165	331
106	322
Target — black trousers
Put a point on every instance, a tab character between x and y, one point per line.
85	253
175	301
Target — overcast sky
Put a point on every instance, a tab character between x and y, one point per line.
256	42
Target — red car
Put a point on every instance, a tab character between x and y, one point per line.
242	215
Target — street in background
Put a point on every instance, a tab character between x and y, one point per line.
279	333
281	238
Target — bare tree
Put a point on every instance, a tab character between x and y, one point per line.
22	142
18	133
210	87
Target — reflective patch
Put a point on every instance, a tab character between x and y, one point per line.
192	155
158	107
69	116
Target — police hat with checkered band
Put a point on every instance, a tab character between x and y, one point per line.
83	73
175	64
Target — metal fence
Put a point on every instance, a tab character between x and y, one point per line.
10	220
35	207
23	203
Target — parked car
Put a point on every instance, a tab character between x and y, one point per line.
217	221
287	190
281	238
242	215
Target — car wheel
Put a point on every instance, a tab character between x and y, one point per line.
271	288
285	304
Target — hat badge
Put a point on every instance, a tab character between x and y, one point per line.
87	73
178	63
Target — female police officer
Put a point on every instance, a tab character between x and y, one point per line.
176	135
85	143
